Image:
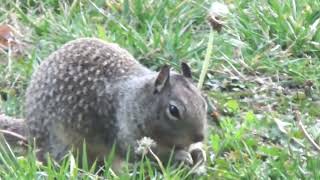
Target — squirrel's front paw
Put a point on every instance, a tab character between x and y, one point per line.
198	156
184	157
197	153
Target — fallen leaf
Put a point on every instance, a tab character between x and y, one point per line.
7	35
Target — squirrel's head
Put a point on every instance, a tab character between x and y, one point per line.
181	109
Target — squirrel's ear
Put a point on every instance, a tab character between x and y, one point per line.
162	79
186	71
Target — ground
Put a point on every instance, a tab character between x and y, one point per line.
262	85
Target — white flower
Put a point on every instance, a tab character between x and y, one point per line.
143	145
217	13
218	9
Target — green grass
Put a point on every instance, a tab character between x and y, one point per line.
262	62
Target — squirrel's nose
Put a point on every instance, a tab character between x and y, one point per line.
198	137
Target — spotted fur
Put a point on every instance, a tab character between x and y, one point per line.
96	91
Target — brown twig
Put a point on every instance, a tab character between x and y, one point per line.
22	138
297	117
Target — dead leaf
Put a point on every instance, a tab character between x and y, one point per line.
215	116
7	36
12	46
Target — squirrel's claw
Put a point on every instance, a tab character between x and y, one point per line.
183	157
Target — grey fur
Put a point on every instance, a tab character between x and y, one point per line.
96	91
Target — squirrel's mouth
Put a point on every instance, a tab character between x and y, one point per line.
170	141
167	142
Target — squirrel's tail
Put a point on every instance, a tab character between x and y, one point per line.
14	131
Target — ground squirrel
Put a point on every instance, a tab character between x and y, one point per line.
96	91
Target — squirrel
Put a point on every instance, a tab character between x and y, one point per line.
95	91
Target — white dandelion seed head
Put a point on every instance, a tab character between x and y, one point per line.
143	145
218	9
217	15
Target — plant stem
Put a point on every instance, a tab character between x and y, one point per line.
159	163
206	60
297	117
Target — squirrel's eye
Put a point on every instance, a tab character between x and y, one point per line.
174	111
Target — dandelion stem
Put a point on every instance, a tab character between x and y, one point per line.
9	57
206	60
159	163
